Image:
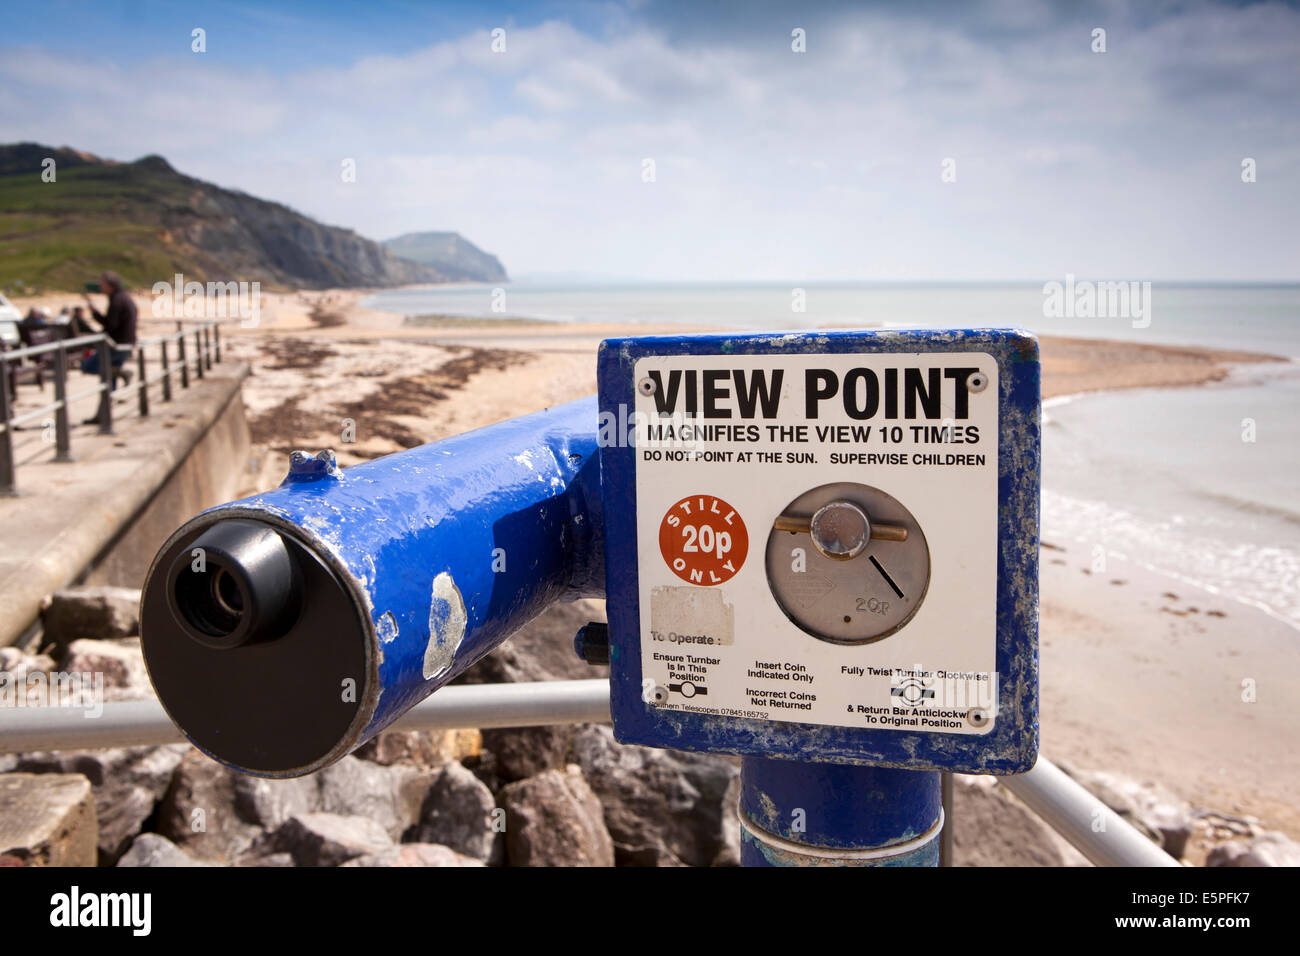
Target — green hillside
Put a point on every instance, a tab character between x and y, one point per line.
147	221
60	235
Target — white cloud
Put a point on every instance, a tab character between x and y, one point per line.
769	164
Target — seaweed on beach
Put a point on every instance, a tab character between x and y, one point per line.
287	426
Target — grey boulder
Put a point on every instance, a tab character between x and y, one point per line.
461	813
47	820
663	808
150	849
1270	848
128	782
554	819
328	839
100	612
414	854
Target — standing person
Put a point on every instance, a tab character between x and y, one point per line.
118	323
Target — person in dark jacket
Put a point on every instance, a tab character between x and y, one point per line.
118	323
35	319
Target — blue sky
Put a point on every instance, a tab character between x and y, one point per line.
768	164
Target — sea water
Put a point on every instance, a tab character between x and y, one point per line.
1199	484
1249	317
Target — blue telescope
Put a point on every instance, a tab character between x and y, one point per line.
284	630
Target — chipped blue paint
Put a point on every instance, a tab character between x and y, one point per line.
1012	746
391	527
447	619
834	807
838	805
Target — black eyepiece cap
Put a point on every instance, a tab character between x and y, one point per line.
237	584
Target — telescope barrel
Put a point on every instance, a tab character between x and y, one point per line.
284	630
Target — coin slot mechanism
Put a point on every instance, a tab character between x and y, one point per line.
867	570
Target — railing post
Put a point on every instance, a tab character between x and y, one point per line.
144	388
207	346
167	375
216	341
185	369
106	396
198	347
7	442
62	443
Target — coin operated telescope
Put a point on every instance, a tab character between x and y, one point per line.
284	630
819	552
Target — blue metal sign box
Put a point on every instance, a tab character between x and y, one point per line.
1012	746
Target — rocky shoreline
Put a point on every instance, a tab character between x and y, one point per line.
540	796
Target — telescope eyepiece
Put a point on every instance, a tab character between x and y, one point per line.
257	649
237	584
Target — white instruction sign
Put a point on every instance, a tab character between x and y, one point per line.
818	537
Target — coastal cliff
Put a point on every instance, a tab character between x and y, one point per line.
148	221
451	254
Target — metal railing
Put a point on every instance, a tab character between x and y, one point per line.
1099	833
206	335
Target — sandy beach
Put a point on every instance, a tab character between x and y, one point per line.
1141	675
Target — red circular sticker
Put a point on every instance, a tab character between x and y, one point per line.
703	540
